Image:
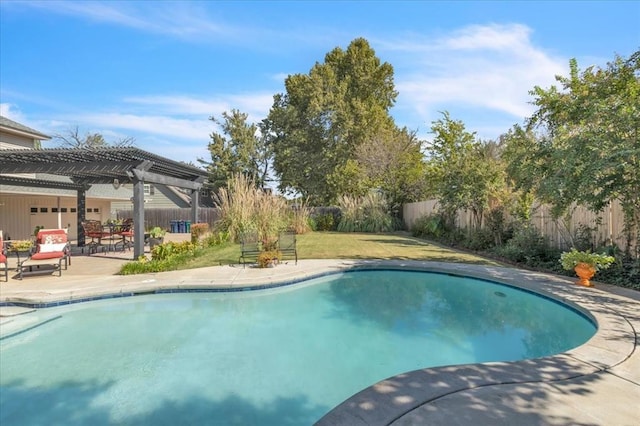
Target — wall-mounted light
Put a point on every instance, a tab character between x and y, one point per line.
116	183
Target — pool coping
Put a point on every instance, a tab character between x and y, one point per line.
487	393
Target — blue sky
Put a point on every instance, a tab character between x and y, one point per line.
156	70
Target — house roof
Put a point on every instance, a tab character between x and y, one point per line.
39	186
11	126
90	166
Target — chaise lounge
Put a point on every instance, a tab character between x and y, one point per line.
4	263
52	248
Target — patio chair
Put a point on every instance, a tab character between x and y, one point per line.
52	248
287	244
126	232
93	229
250	246
4	263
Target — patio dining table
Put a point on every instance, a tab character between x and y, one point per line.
116	234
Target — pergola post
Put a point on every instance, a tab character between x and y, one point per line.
195	202
80	215
138	217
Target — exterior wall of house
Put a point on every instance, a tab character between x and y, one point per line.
11	141
20	214
155	197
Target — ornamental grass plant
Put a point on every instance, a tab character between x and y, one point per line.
245	207
237	206
365	214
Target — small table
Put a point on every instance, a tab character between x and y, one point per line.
25	254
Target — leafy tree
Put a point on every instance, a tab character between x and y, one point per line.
589	153
72	139
463	172
316	127
395	164
238	150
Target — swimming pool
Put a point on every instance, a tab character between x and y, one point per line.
281	356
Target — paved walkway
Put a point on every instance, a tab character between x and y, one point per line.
597	383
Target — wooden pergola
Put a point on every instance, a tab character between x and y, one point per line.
86	167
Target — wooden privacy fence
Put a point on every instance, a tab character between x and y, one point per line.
608	225
163	217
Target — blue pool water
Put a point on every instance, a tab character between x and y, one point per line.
270	357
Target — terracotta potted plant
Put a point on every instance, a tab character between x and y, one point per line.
585	264
268	259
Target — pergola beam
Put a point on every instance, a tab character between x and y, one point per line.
151	177
38	183
97	168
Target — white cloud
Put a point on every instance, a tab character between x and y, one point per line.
11	112
489	37
256	105
166	126
181	19
478	67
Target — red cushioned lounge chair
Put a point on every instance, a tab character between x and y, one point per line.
4	264
52	248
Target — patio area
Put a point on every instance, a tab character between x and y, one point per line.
597	383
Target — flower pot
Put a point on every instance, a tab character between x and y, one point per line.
585	272
155	241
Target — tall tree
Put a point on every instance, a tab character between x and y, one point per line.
394	162
73	139
316	127
463	172
239	150
590	152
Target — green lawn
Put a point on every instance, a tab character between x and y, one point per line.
335	245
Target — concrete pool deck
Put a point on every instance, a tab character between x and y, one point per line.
597	383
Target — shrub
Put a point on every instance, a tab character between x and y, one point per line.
624	272
313	225
198	230
431	226
166	250
365	214
583	237
497	225
325	222
530	247
164	257
479	239
215	239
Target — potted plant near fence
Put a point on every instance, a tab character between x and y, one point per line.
585	264
269	253
269	258
156	236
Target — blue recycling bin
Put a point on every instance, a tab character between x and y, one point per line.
187	226
174	226
181	227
